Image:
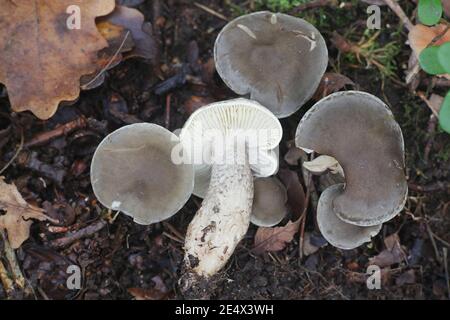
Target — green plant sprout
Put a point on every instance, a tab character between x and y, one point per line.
434	59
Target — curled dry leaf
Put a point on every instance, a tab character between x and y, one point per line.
323	164
128	36
393	253
294	154
331	83
17	220
41	59
141	31
275	239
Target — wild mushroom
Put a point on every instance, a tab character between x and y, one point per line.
232	135
360	131
277	59
269	202
132	171
266	166
337	232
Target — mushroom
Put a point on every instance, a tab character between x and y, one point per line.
277	59
232	138
132	171
360	132
337	232
265	167
269	202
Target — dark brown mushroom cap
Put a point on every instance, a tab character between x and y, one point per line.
132	171
360	131
276	58
269	202
337	232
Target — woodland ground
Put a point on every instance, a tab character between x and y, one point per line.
123	255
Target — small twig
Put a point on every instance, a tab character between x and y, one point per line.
432	124
303	217
45	137
400	13
314	4
168	111
19	149
433	242
433	187
72	237
18	277
211	11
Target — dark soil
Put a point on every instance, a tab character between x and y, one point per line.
123	255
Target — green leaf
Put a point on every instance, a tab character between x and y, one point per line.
444	114
444	56
430	11
429	61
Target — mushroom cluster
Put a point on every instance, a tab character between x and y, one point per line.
360	132
227	152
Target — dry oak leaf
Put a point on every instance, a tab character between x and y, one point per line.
41	59
17	220
275	239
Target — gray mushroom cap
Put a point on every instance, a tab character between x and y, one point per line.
277	59
269	202
360	131
337	232
132	171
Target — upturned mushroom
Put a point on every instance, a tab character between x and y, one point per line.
275	58
269	202
132	171
360	132
232	138
337	232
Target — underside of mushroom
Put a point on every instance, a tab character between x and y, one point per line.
224	216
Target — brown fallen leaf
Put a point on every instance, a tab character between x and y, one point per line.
393	253
421	36
294	154
128	36
275	239
141	31
331	83
17	220
41	59
119	41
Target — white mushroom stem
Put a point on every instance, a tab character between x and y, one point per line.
224	217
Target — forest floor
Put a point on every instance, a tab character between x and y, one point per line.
123	260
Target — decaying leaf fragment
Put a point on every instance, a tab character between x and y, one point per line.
275	239
128	36
42	59
19	214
